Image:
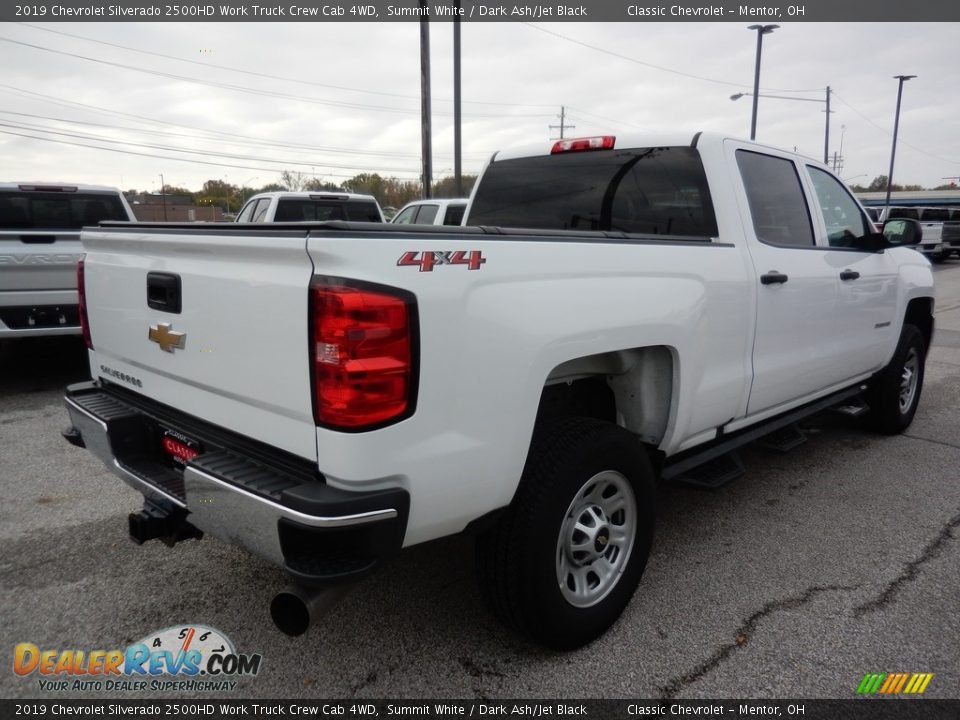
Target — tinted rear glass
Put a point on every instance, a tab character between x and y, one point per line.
454	214
294	210
935	214
58	211
651	191
910	213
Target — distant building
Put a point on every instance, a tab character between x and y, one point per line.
157	207
913	198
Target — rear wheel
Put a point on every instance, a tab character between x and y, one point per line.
564	561
894	394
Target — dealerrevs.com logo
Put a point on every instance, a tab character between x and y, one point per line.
184	658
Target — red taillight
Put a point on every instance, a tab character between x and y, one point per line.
362	355
82	294
601	142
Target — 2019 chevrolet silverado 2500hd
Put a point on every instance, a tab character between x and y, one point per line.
621	308
39	248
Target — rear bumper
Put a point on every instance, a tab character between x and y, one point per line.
274	504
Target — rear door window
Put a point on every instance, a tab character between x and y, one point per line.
454	214
50	211
427	214
649	191
777	203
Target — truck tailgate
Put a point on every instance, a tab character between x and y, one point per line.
240	301
32	260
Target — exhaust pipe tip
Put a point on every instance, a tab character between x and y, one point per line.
295	609
290	613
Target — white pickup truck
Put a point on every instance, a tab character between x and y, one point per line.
621	310
39	248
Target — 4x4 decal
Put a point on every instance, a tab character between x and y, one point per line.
426	260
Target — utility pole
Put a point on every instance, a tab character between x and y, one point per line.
457	142
838	158
426	130
563	123
826	132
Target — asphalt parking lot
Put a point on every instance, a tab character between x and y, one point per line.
838	558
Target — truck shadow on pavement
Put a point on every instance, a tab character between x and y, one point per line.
29	365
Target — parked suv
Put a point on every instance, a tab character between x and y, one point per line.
310	207
39	249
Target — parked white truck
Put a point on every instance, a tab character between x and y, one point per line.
39	248
621	310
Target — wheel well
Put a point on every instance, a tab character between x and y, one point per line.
920	313
632	388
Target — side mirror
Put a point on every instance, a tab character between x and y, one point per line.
902	231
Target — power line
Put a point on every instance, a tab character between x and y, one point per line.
269	76
693	76
251	141
250	91
901	141
205	153
161	157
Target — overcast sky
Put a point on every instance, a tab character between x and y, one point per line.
345	97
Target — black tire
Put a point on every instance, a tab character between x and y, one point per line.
891	410
939	257
520	560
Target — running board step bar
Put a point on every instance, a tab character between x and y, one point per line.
681	465
714	474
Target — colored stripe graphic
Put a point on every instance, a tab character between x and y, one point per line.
894	683
870	683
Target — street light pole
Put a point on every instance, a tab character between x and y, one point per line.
826	133
896	127
761	31
163	198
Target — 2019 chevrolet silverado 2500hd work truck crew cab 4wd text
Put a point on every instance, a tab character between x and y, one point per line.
621	308
39	248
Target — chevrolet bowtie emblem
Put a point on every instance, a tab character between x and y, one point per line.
166	338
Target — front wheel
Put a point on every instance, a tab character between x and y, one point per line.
564	561
894	393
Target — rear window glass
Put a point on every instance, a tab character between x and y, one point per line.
322	210
936	214
650	191
55	211
909	213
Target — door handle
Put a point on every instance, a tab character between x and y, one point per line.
773	277
849	275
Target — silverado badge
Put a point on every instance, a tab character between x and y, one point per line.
166	338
